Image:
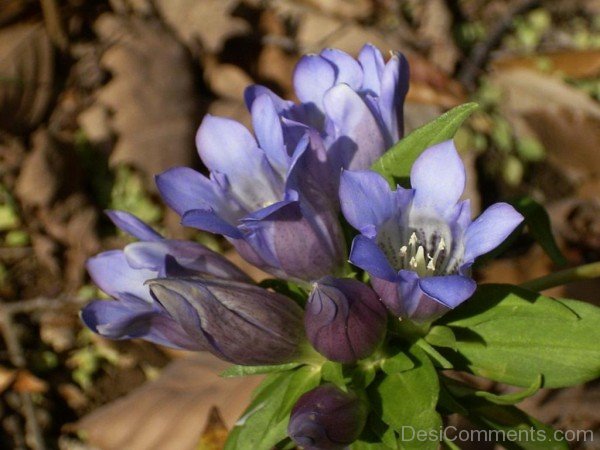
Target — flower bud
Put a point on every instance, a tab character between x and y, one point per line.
238	322
327	418
344	319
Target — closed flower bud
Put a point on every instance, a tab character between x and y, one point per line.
344	319
327	418
238	322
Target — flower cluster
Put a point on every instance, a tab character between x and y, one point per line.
277	196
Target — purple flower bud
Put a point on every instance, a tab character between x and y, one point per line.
344	319
327	418
238	322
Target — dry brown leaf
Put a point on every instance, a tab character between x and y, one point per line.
7	376
428	84
349	9
436	29
171	412
25	381
151	94
27	75
215	433
563	118
573	63
227	80
207	22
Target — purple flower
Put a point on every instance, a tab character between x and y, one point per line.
356	104
134	313
327	418
269	198
238	322
344	320
418	244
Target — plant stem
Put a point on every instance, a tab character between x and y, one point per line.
585	272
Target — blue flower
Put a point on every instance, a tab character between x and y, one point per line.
271	199
419	244
356	104
122	274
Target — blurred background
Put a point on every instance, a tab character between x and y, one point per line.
98	96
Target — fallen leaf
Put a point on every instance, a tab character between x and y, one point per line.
573	63
215	433
171	411
151	94
7	376
27	68
25	381
208	22
227	80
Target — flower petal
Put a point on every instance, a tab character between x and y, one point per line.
254	91
268	129
360	141
348	70
449	290
366	200
490	229
368	256
313	76
132	225
184	189
372	65
438	178
208	220
394	86
111	272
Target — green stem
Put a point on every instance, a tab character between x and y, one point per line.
585	272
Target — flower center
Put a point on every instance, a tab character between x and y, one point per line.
415	257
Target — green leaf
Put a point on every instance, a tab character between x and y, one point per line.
513	335
406	401
441	336
435	356
513	398
396	163
264	423
510	426
334	373
240	371
538	222
400	362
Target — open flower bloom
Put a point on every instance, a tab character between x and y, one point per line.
134	313
418	244
263	196
356	104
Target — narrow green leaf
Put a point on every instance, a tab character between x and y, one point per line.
406	401
240	371
538	222
441	336
513	398
264	423
435	356
513	335
396	163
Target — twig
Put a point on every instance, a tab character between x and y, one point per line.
480	55
53	24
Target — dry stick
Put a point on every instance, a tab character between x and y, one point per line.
53	24
478	58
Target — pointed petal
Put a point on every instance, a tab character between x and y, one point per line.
184	189
359	136
348	70
254	91
438	178
372	65
490	229
449	290
366	199
268	129
111	272
132	225
313	76
368	256
208	220
394	86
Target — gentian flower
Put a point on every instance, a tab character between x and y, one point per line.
344	319
263	196
327	418
419	244
134	313
238	322
356	104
